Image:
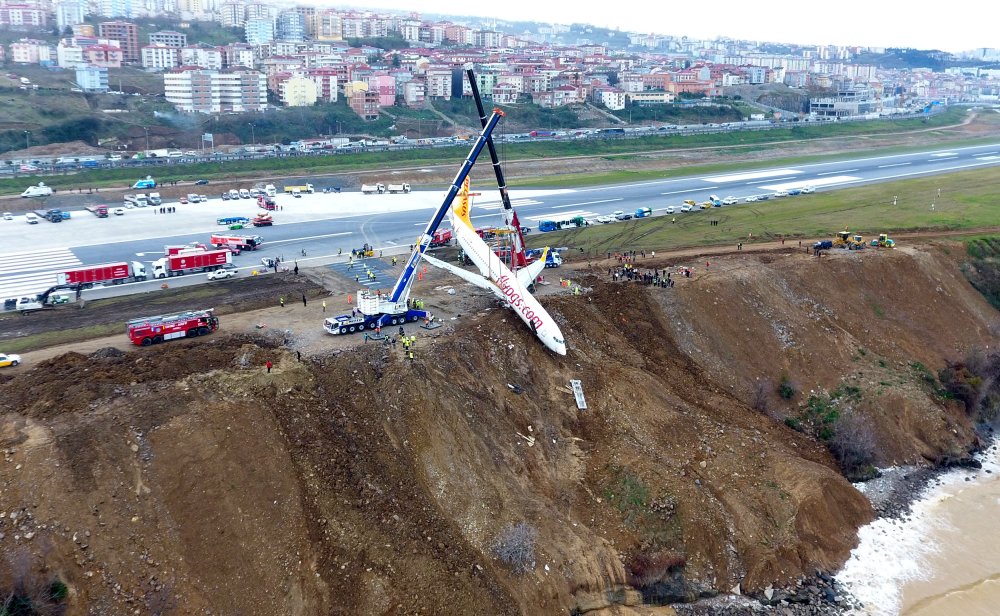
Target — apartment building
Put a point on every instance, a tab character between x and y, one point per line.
207	91
384	86
415	92
31	51
22	16
168	38
92	78
238	54
160	57
115	8
259	31
297	91
364	103
438	83
232	14
126	33
329	26
290	26
70	13
202	56
103	56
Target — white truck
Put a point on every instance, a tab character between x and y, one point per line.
37	191
373	189
398	188
270	190
155	199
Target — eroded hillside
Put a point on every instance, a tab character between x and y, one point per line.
185	479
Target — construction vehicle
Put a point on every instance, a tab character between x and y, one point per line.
393	189
242	242
843	239
884	241
302	188
858	242
376	309
48	298
364	251
373	189
154	330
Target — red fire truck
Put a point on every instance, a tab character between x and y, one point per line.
154	330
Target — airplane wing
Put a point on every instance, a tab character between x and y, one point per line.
529	273
465	275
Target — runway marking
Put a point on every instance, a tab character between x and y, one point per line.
892	165
679	192
554	207
841	171
752	175
837	179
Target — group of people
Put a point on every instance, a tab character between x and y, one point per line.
629	256
654	277
166	210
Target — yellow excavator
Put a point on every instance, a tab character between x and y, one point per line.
843	239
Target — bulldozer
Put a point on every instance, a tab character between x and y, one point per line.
857	242
884	241
843	239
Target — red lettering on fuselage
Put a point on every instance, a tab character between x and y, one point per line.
517	302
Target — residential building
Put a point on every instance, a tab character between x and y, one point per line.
329	26
363	102
168	38
258	10
203	56
115	8
290	26
238	54
308	18
414	93
384	85
232	14
125	33
69	54
22	16
92	78
612	98
326	83
84	30
207	91
70	13
259	31
650	98
160	56
297	91
103	56
487	38
438	82
31	51
506	94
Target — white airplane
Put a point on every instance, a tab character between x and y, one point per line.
497	277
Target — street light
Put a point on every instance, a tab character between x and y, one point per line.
253	138
27	136
147	138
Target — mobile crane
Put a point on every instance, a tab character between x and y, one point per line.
375	309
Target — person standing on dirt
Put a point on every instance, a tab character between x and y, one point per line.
296	270
324	305
268	365
303	295
281	300
366	337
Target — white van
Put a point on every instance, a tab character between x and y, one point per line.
31	218
244	193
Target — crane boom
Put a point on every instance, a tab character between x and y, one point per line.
402	285
508	209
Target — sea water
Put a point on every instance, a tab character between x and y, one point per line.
941	559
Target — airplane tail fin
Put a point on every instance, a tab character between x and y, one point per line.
462	205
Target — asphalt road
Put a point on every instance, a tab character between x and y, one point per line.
323	228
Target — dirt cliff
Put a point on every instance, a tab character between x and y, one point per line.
186	479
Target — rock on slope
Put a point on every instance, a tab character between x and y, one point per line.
185	477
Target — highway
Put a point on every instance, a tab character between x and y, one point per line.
318	229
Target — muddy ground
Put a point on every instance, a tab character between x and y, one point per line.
186	479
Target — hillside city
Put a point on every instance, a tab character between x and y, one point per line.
305	55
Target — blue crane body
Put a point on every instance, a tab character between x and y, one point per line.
394	308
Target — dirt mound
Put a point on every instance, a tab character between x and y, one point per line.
106	353
467	480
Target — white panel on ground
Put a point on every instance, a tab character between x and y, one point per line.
815	183
581	402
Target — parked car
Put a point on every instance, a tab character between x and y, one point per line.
763	197
670	209
604	219
221	274
201	182
794	191
225	196
750	199
781	193
686	207
8	216
807	190
730	201
183	200
620	215
9	360
118	211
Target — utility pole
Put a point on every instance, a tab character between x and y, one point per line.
147	139
27	139
253	138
